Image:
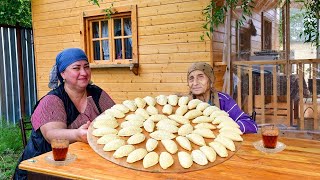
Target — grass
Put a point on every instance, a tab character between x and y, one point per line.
10	149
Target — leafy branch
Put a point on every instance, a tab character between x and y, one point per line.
215	14
95	2
311	22
109	11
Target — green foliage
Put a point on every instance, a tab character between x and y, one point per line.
95	2
214	14
16	12
311	19
10	149
108	10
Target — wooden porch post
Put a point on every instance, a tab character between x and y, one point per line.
287	56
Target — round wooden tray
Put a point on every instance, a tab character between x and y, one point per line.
175	168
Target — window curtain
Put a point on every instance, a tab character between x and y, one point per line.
105	43
96	44
128	41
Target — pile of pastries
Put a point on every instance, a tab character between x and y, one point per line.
180	121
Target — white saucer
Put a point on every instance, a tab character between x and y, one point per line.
259	146
69	159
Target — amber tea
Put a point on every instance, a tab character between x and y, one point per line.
270	136
59	149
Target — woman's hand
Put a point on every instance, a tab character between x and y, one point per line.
53	130
83	132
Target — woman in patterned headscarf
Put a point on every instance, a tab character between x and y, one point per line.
67	110
200	81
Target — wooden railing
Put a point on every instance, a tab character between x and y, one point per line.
283	95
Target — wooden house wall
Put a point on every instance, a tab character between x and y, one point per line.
256	41
168	42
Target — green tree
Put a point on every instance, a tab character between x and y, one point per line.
15	12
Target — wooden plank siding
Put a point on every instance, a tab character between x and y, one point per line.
168	41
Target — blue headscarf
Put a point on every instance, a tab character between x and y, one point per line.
63	60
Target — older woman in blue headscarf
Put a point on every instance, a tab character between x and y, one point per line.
67	110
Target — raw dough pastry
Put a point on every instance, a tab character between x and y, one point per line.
193	114
121	108
114	145
162	100
160	135
202	119
165	160
104	117
209	110
152	110
104	131
136	138
148	125
206	133
170	145
173	100
193	103
123	151
185	159
151	144
183	100
205	125
233	129
231	135
115	113
185	129
181	110
107	138
141	103
228	143
228	123
218	113
100	123
168	121
134	117
167	109
143	113
219	148
130	104
184	142
167	127
157	117
150	100
219	119
137	155
202	106
151	159
196	139
179	119
129	131
209	152
199	157
131	123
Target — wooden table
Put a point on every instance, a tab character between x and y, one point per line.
300	159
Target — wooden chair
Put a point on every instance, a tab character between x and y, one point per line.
25	125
